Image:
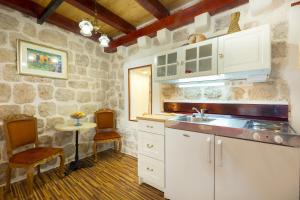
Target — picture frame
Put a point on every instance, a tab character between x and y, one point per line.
40	60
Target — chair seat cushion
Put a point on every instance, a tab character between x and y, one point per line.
106	135
31	156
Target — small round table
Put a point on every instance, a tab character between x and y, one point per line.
77	164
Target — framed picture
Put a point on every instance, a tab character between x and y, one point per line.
39	60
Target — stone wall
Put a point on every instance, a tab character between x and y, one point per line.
284	75
91	84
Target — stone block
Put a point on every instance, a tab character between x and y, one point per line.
84	96
88	108
5	92
29	29
3	38
45	91
69	150
164	36
53	37
8	23
144	42
89	47
10	73
6	110
75	46
47	109
202	22
51	122
63	138
64	94
78	84
82	60
45	141
29	109
7	56
66	110
23	93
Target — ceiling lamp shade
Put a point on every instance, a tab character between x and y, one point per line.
86	28
104	40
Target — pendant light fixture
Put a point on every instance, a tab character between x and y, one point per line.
87	27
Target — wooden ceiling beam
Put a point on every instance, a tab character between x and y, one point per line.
33	9
178	19
103	14
52	6
156	8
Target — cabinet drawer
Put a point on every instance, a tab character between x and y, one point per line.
151	171
151	145
152	127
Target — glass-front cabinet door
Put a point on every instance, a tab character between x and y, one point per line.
200	59
166	66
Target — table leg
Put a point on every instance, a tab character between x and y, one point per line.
77	164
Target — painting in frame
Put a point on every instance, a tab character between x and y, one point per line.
40	60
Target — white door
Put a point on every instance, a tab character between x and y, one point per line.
200	59
189	165
167	65
248	170
245	51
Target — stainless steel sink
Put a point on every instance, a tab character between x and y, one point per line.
213	121
187	118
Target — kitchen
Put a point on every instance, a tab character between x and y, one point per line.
206	99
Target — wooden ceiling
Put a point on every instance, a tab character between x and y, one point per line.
120	19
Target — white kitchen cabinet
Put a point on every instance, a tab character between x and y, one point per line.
202	166
255	171
247	51
151	153
167	65
244	51
200	59
189	166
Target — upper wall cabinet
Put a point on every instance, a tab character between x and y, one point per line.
245	51
166	65
200	59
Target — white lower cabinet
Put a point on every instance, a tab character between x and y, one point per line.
189	165
255	171
201	166
151	153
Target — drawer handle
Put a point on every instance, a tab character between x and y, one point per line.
150	169
150	146
149	126
186	135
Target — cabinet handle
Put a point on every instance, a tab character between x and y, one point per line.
149	126
150	146
208	140
220	152
150	169
186	135
221	55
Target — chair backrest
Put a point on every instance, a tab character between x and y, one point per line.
20	130
105	119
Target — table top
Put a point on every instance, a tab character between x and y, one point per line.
72	127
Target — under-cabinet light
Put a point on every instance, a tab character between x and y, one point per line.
188	85
202	78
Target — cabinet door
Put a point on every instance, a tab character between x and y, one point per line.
200	59
189	165
166	66
255	171
245	51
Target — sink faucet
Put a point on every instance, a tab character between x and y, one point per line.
201	112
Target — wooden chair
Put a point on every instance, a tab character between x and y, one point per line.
106	130
20	130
